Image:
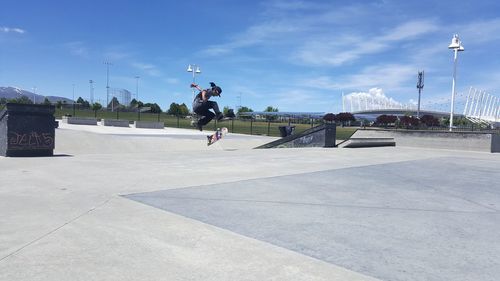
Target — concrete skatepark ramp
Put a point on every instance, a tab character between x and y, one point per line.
319	136
325	136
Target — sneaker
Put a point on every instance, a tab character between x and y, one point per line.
199	127
219	116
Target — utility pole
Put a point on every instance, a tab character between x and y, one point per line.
137	88
107	63
91	91
73	99
420	86
34	95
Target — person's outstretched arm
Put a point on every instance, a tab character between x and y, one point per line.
203	92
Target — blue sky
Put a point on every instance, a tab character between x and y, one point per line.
293	55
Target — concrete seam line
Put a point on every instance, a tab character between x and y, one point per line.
54	230
309	204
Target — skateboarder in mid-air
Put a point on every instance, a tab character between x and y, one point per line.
202	105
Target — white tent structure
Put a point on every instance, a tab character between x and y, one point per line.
482	108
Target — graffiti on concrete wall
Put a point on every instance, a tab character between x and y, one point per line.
33	140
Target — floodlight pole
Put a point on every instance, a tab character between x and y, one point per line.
34	95
456	46
195	69
107	63
137	87
91	91
73	99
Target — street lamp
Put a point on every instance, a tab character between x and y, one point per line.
34	95
91	82
73	100
195	69
455	46
107	63
137	87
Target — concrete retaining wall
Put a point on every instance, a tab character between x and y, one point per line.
115	122
469	141
79	120
149	125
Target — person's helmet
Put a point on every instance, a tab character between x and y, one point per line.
216	88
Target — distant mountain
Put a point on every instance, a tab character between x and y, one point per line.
14	92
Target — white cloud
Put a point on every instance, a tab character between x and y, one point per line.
149	69
173	81
337	50
326	33
479	32
374	98
254	35
410	30
328	52
391	76
116	55
77	48
5	29
288	5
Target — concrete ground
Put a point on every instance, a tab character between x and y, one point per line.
145	204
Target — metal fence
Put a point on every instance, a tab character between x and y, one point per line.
243	125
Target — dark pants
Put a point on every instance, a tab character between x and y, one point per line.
203	109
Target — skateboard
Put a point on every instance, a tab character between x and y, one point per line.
219	134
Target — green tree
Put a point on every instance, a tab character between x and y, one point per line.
228	112
409	121
174	109
3	100
46	102
242	110
83	103
344	117
22	99
155	108
429	120
386	119
178	109
96	106
271	109
114	103
271	117
59	104
136	104
184	110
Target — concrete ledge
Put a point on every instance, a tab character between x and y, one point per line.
149	125
115	122
469	141
367	142
79	120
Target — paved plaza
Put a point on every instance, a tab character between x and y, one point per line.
145	204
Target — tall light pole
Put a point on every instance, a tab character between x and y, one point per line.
420	86
91	82
73	99
34	95
107	63
195	69
137	87
455	46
